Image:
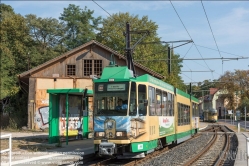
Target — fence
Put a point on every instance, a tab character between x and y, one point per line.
9	149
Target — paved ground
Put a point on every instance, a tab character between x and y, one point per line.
26	134
76	150
45	154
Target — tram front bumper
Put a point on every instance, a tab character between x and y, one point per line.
106	148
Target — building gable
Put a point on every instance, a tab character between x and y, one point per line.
85	60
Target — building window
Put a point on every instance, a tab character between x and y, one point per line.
71	70
92	67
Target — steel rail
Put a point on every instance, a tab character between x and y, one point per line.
220	160
203	151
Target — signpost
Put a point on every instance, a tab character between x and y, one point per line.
225	114
230	112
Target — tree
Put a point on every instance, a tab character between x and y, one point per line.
15	41
80	25
236	85
48	34
111	34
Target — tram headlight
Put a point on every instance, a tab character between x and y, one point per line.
121	134
99	134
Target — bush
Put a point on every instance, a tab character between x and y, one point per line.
13	121
4	118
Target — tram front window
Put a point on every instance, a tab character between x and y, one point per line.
111	98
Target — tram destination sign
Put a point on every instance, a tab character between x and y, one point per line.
115	87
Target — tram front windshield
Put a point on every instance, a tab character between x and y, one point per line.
111	99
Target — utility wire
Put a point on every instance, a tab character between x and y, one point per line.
188	50
101	7
189	77
210	28
186	55
193	59
190	36
217	50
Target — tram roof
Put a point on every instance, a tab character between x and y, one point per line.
155	81
120	73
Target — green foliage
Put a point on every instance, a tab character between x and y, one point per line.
14	42
80	25
48	34
202	88
236	85
153	56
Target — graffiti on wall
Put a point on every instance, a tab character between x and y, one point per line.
41	117
75	121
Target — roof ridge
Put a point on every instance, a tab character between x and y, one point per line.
80	47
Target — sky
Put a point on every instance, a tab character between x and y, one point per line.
219	29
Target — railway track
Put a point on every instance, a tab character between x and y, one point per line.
214	153
209	147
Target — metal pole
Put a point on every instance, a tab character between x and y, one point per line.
225	114
10	149
169	61
203	104
247	150
67	118
128	51
233	117
245	117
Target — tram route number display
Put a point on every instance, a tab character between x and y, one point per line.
115	87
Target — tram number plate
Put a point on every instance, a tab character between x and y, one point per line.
140	146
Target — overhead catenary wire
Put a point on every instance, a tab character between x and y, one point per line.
189	77
188	50
101	7
194	59
190	36
217	50
210	28
186	55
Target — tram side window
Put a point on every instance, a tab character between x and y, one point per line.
196	111
141	97
159	102
194	114
133	104
179	114
170	108
193	109
164	104
186	114
173	101
182	114
152	108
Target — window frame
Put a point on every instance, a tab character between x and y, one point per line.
71	69
93	69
